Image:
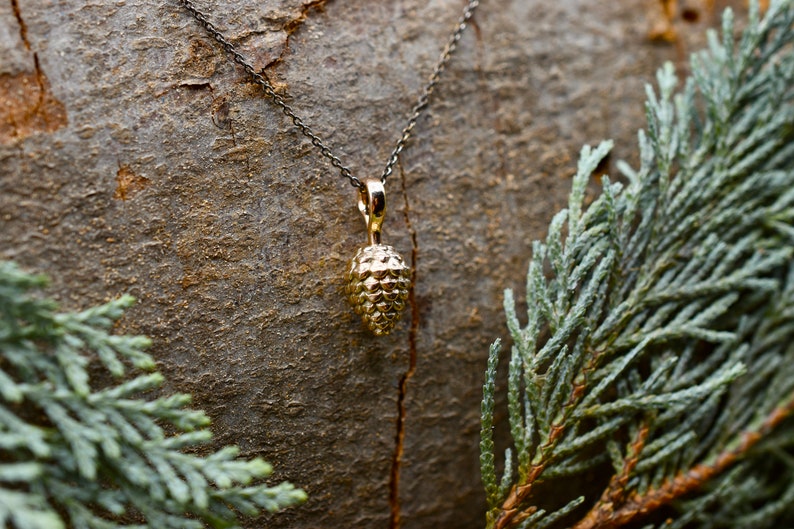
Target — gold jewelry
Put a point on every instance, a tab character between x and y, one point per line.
379	280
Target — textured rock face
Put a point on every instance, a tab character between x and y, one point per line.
135	159
377	287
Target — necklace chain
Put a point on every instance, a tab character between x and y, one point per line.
270	91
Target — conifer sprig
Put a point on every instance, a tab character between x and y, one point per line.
656	352
76	456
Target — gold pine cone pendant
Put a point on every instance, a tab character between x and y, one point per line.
379	280
377	287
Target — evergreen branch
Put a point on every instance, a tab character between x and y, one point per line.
487	469
85	458
616	490
608	513
659	316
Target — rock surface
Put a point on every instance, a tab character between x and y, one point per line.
134	158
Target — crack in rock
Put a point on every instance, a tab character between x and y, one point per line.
394	481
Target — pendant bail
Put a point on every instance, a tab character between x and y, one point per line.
372	204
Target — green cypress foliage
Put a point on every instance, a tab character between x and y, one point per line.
652	381
75	456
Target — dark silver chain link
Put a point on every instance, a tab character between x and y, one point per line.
270	91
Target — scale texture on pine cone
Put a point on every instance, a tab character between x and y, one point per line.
377	286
